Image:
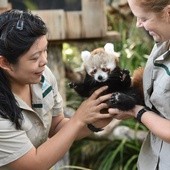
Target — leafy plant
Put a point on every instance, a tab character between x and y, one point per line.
105	154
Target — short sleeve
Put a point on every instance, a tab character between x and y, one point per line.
13	143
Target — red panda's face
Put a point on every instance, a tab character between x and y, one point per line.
100	62
99	74
100	65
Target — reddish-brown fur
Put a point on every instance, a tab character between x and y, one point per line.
137	79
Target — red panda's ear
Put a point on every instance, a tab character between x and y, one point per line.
109	48
85	55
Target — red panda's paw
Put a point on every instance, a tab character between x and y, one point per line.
125	73
72	85
125	77
121	101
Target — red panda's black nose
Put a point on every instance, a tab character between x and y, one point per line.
100	77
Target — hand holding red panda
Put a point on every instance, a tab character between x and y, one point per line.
102	68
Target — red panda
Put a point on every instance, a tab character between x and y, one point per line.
102	68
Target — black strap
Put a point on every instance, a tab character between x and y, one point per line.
93	128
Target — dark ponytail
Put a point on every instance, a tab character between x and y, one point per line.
18	31
8	105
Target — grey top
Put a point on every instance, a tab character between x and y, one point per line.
155	152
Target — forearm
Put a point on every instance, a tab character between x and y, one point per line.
157	125
51	151
83	133
62	141
98	124
85	130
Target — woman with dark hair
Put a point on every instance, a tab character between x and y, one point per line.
34	134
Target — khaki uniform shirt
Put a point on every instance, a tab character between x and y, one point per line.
155	153
46	102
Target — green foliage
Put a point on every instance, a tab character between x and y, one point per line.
134	51
135	44
71	55
105	154
31	5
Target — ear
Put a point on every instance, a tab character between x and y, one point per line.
109	48
168	9
85	55
167	13
4	64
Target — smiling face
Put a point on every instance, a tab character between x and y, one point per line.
156	23
31	65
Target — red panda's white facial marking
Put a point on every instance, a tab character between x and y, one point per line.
101	76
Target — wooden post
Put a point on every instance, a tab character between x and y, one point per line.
3	3
74	25
94	18
56	65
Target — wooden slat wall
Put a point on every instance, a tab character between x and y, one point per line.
88	23
55	21
74	25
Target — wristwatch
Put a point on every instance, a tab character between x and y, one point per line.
93	128
140	113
